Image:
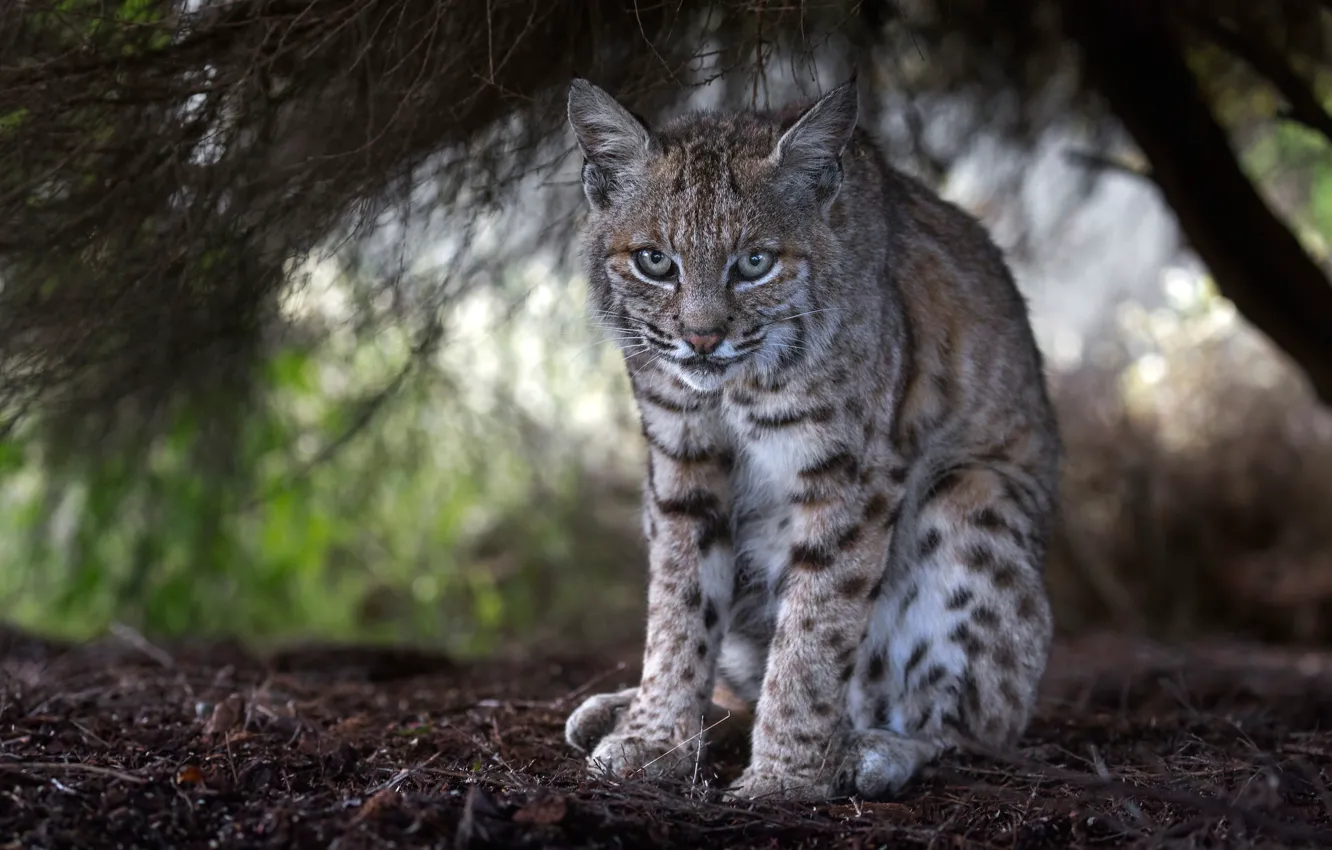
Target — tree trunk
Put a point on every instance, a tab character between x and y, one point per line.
1135	60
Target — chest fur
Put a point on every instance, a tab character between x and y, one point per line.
775	449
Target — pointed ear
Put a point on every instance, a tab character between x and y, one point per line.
810	153
614	142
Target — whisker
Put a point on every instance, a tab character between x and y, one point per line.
611	329
588	348
807	313
630	343
602	342
654	359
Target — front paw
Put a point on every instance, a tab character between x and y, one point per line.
643	755
878	764
596	718
774	783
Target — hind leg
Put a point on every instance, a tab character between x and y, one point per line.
959	637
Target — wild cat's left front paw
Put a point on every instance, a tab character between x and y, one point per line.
773	782
873	764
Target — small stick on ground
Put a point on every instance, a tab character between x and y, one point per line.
687	741
72	767
142	644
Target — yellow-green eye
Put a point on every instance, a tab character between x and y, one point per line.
755	264
654	263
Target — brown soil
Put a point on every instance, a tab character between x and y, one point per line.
122	744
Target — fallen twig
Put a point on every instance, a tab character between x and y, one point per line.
1119	788
72	767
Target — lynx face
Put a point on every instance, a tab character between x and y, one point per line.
705	234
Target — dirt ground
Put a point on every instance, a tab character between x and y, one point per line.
126	744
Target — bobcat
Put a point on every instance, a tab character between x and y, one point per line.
853	459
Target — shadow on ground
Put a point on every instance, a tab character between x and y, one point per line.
122	744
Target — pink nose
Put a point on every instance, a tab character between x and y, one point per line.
704	343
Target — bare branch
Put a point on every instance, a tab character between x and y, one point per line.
1254	51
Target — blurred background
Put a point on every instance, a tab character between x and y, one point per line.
292	341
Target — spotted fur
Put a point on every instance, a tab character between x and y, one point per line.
852	458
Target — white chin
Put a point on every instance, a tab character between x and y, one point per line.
704	382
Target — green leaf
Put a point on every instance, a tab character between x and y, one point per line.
11	456
12	120
1321	199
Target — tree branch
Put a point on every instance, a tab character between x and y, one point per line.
1101	163
1132	56
1267	62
